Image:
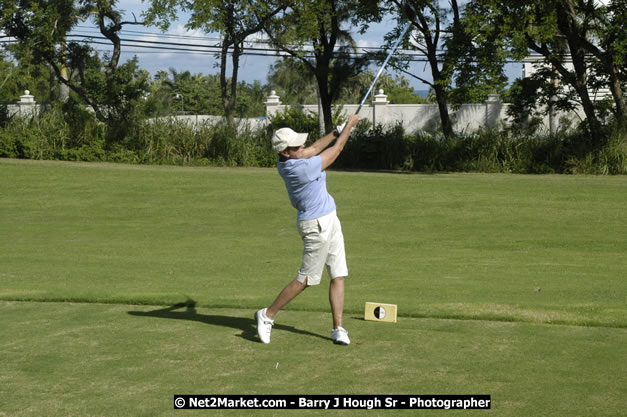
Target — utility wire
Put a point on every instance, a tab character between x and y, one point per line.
153	46
247	50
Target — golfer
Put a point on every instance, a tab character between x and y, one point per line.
303	170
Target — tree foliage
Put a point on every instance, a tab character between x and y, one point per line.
315	32
293	81
235	21
41	27
583	44
462	68
174	92
15	79
289	78
397	89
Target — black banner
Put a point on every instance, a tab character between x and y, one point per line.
332	402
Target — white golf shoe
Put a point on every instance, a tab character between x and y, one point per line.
264	325
340	336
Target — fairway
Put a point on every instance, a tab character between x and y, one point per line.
121	286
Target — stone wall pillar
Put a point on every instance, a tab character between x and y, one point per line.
493	107
272	104
26	104
378	108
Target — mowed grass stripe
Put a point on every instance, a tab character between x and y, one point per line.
65	359
489	312
540	249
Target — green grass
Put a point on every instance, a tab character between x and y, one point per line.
507	285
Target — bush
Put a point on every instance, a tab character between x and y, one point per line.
609	160
69	133
296	119
35	137
178	142
379	149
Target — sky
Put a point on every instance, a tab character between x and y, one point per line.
252	68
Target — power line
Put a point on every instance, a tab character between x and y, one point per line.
138	32
204	49
91	30
154	46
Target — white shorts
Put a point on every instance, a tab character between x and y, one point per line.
323	245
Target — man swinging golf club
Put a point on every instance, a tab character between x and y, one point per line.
303	170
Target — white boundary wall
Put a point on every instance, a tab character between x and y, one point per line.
426	117
413	117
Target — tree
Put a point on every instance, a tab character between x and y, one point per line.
196	93
235	21
453	54
16	77
569	39
293	81
584	32
173	91
41	28
476	53
314	32
608	44
429	21
396	89
252	98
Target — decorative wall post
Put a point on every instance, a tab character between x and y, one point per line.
378	107
26	105
272	104
492	110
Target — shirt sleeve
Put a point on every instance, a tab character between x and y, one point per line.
314	168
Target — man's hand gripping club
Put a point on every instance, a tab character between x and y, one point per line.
330	154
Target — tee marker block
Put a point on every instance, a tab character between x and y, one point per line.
380	312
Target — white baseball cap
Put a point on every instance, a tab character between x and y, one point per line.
286	137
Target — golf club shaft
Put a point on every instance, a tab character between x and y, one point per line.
398	41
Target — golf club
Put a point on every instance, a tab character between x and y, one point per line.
411	15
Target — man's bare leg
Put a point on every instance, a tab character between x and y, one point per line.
336	298
285	296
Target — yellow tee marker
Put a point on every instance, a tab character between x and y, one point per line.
380	312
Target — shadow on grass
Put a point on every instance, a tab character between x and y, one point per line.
247	326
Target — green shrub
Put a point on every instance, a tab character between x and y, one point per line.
609	160
35	137
297	119
381	148
170	141
69	133
253	148
177	142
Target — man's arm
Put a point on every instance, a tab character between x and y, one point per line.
329	155
318	146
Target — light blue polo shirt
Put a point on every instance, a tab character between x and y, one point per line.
306	185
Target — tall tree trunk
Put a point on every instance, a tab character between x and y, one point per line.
568	26
441	95
577	80
320	115
229	108
619	97
326	100
431	32
606	58
227	103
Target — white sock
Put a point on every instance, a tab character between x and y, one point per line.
264	316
